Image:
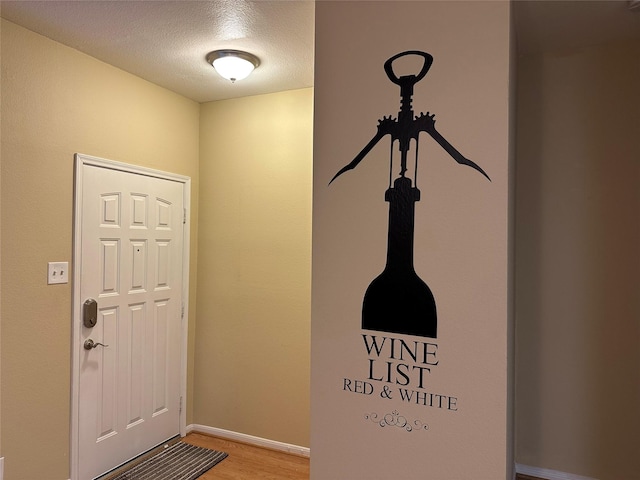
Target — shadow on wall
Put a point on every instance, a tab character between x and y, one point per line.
578	262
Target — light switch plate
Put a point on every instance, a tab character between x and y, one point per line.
58	272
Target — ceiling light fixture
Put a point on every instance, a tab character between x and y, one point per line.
233	64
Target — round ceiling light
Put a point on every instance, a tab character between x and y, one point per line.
233	64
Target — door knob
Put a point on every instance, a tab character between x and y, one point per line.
90	344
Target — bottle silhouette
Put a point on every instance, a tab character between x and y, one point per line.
398	301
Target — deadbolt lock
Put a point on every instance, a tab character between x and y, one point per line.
90	313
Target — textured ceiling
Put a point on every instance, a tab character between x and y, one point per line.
166	42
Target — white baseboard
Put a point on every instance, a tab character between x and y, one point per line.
548	474
250	439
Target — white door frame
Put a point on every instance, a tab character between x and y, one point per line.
80	161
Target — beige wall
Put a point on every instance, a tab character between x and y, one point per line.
461	241
252	347
578	261
577	236
0	251
56	102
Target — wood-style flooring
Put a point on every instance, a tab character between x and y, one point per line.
247	462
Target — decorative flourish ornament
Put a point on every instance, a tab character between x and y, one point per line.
394	419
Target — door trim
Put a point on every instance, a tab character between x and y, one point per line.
82	160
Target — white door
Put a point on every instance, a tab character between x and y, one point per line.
129	364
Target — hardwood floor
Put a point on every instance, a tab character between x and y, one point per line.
247	462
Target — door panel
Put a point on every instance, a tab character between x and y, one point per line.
131	263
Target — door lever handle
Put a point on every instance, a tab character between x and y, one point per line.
90	344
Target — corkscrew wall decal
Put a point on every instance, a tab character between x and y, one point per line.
398	300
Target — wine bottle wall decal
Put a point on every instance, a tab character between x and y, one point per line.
398	300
